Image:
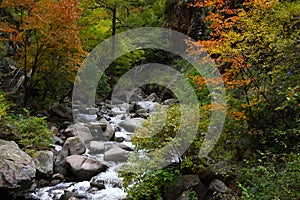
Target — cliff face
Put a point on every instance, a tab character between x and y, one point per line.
185	19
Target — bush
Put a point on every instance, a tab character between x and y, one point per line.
163	128
3	106
151	185
272	180
33	132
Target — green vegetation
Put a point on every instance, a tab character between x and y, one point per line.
33	133
30	132
152	185
255	45
272	180
3	106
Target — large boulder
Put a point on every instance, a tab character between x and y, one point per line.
81	130
131	124
96	147
116	154
84	168
72	146
17	169
44	163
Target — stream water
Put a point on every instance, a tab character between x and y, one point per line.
113	183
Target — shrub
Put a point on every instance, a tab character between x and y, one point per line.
163	128
151	185
3	106
33	132
272	180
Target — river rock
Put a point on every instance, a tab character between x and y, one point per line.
148	105
96	147
17	169
131	124
74	146
83	167
107	129
116	154
81	130
120	136
97	183
44	163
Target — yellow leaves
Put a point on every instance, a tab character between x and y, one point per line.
254	131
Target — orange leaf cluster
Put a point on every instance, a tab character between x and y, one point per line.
46	34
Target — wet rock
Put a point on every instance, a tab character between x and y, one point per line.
116	154
44	163
131	124
83	167
74	146
137	95
98	184
120	136
81	130
73	196
17	169
109	178
107	129
96	147
217	185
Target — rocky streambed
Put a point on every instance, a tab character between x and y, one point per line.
87	155
85	158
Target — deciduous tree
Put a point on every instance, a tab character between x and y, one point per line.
44	34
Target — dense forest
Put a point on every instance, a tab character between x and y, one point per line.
254	46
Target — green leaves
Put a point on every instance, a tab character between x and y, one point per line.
33	132
152	185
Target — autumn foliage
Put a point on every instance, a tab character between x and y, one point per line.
44	35
252	45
